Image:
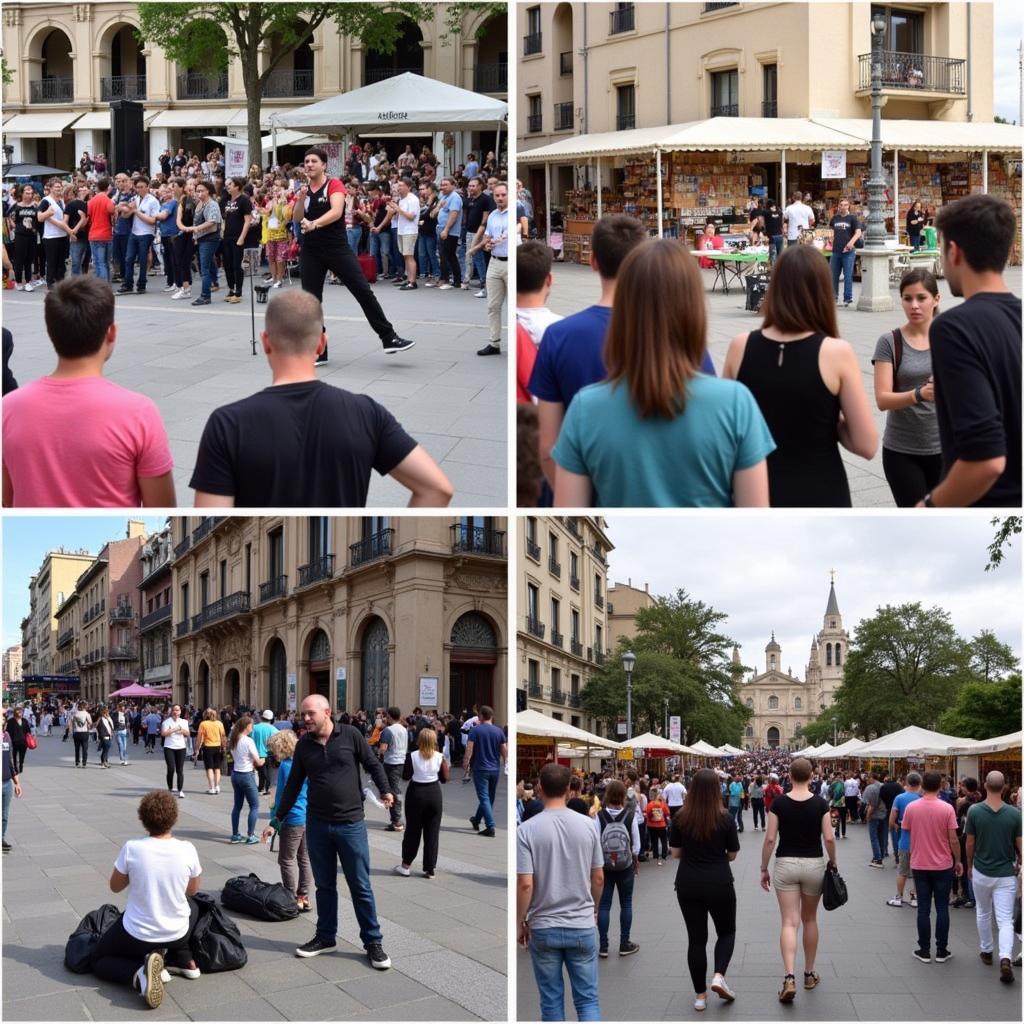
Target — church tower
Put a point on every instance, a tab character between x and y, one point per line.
833	644
773	656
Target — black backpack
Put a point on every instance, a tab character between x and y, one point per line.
269	901
82	942
216	942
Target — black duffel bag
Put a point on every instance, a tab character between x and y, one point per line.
833	889
82	942
269	901
216	942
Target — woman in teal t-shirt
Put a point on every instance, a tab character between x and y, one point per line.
658	432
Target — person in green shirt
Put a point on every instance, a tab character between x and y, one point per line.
837	801
993	833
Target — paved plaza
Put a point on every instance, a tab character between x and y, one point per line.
864	957
576	287
446	936
191	360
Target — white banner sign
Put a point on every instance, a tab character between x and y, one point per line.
675	728
335	159
428	691
620	728
833	163
292	692
236	158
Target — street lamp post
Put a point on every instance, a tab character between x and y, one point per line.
835	734
666	718
628	664
875	296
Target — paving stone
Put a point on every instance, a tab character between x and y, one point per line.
316	1002
384	988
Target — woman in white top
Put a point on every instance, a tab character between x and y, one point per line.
104	735
423	804
243	779
174	730
56	233
160	873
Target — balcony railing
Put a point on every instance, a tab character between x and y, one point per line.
94	612
204	528
576	647
491	77
625	122
535	627
536	690
124	652
183	545
564	116
197	86
916	71
557	639
478	540
572	524
769	108
122	613
599	554
154	619
183	628
157	570
598	656
276	587
223	608
574	582
599	600
383	74
533	549
555	568
558	697
52	90
123	87
286	82
321	568
377	545
622	20
565	63
66	637
708	8
534	122
531	43
575	701
725	110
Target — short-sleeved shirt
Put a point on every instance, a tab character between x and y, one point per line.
396	736
772	221
487	740
158	871
799	217
929	823
152	722
50	229
497	226
243	753
25	220
477	211
915	429
735	794
150	206
235	212
210	733
704	862
995	838
177	736
410	204
900	805
873	795
559	849
843	229
450	203
75	211
686	461
261	732
307	444
93	459
123	225
169	225
799	825
100	210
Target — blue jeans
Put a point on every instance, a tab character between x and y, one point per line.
119	249
354	236
122	743
244	785
894	837
426	255
207	266
486	783
736	810
327	843
138	249
8	796
78	248
101	259
775	246
623	881
878	833
575	949
842	262
931	885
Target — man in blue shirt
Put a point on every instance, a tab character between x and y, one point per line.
486	748
449	228
261	733
912	792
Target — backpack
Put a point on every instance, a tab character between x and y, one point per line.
616	840
897	353
269	901
82	942
216	942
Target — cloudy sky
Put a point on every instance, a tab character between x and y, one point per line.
772	572
1007	33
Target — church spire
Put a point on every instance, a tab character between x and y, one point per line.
833	604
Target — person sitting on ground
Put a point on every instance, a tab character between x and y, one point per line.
160	873
302	442
112	450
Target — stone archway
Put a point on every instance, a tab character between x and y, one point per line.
474	655
277	662
232	688
773	736
203	695
406	56
375	683
184	696
318	658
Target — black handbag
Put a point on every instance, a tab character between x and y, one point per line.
407	767
269	901
833	889
216	942
82	943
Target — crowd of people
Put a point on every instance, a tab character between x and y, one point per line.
620	405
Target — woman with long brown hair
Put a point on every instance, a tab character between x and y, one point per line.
657	431
703	839
807	382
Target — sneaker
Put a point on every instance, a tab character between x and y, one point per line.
252	840
215	288
628	948
187	292
202	301
236	838
191	973
378	958
603	952
7	846
923	955
211	792
401	869
912	902
446	287
876	864
315	947
277	284
986	958
1005	971
234	298
847	305
30	287
942	955
482	294
492	349
397	344
969	904
124	291
148	981
719	986
170	288
700	1003
216	789
430	284
181	794
409	286
487	832
788	991
18	287
896	901
474	824
428	874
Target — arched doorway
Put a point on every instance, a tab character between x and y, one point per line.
773	736
184	685
233	688
278	690
206	79
375	688
474	655
320	664
406	56
203	686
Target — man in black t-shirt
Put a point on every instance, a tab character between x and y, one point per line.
976	359
772	217
846	230
475	211
302	443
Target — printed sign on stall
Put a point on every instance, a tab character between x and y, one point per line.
292	692
236	158
833	163
335	157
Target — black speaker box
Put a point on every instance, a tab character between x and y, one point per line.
127	143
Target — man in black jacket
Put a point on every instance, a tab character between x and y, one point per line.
329	756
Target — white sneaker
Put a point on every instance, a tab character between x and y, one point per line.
211	792
181	794
719	986
169	289
216	789
148	980
446	287
482	294
185	972
179	293
277	284
700	1003
30	287
165	975
18	287
401	869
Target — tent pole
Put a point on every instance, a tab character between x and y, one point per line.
657	158
984	172
547	202
599	188
896	193
273	143
782	179
497	148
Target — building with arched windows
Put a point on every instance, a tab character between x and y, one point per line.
369	611
782	702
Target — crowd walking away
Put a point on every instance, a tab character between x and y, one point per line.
618	405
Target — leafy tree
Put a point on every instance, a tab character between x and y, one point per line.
1006	530
6	72
990	659
983	710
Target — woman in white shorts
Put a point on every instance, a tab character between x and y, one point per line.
800	821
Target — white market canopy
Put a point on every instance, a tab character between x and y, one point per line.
1009	741
934	136
533	723
728	748
806	752
825	748
705	748
651	741
847	749
406	100
913	741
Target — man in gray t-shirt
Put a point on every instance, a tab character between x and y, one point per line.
560	876
878	815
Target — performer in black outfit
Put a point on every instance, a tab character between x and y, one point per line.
320	212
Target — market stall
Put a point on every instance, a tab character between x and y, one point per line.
538	739
1000	753
911	748
649	747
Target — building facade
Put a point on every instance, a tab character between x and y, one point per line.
49	588
624	601
155	626
69	635
368	611
781	702
70	60
563	612
12	665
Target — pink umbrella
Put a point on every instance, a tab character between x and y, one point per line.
135	690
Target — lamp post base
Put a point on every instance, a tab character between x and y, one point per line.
875	295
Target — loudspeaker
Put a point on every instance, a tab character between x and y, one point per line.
127	145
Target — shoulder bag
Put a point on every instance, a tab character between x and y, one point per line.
833	889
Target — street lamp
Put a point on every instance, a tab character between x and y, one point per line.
875	296
628	664
666	718
835	735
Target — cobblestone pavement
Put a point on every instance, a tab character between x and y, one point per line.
446	937
575	287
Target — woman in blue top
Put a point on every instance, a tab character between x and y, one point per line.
658	432
292	858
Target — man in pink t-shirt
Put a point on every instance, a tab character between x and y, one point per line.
75	439
934	860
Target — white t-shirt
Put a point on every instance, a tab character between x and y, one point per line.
158	871
81	721
536	320
175	739
674	794
397	738
426	769
150	206
851	787
50	229
244	752
799	217
410	204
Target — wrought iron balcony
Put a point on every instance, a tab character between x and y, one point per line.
383	74
535	627
205	528
622	20
156	571
916	72
195	85
276	587
223	608
555	568
477	540
377	545
121	613
575	701
52	90
321	568
183	545
532	43
574	582
565	63
183	628
725	110
558	697
153	619
599	553
533	549
769	108
564	117
491	77
534	122
94	612
576	647
708	8
286	82
625	122
536	690
599	599
66	637
598	656
572	524
556	638
124	652
123	87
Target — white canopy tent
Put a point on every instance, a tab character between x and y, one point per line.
1008	741
847	749
705	748
651	741
728	748
913	741
806	752
533	723
825	748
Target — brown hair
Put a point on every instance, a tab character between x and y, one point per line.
237	729
656	341
799	297
920	276
702	814
158	811
800	770
613	239
533	264
615	794
554	780
983	227
209	714
78	312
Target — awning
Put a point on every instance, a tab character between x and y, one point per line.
636	140
240	118
99	120
1010	741
41	126
913	741
533	723
649	741
934	136
182	117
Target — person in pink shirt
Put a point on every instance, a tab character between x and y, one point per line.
934	861
75	439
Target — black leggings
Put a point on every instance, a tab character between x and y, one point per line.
18	756
423	806
24	257
757	806
233	253
175	760
910	477
720	902
56	250
659	842
181	243
119	955
81	746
